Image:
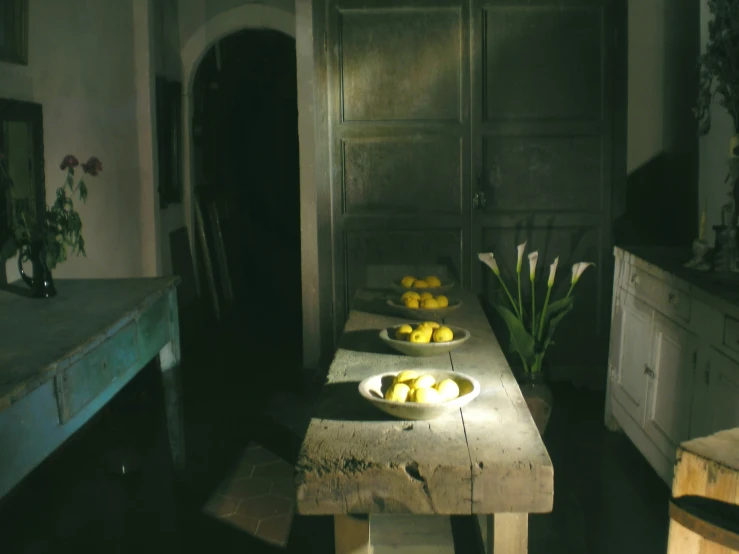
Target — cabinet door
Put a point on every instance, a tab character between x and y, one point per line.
721	409
634	318
670	390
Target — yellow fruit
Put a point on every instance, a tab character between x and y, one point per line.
443	334
420	336
403	332
397	392
442	300
407	281
424	295
411	396
431	324
448	389
465	387
410	294
433	281
411	302
427	396
423	382
427	330
420	284
405	376
429	303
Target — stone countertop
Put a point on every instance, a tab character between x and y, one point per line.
714	288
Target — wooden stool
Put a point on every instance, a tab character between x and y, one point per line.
706	467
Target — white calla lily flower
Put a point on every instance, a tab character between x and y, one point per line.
520	248
552	272
533	258
578	269
489	260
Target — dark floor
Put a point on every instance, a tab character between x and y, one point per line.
607	499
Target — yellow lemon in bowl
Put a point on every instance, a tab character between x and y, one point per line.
398	392
420	336
410	294
420	284
402	332
448	389
433	281
429	303
423	382
406	376
443	334
431	324
425	296
407	281
411	302
427	396
442	300
425	329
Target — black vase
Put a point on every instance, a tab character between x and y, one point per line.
41	282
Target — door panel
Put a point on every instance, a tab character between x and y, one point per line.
723	393
542	61
542	173
541	136
398	75
635	350
671	387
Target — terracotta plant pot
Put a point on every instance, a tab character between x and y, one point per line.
538	398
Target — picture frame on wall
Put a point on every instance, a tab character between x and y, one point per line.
14	31
169	140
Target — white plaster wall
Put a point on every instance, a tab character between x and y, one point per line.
713	151
82	70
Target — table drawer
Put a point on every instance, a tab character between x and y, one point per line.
82	381
671	301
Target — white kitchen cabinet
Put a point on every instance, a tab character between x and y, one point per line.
674	359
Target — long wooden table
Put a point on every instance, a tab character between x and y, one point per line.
64	358
486	460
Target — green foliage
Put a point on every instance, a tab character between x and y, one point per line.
719	65
60	230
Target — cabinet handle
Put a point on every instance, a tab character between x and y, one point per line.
672	298
648	371
635	279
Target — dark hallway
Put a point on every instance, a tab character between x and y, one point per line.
246	159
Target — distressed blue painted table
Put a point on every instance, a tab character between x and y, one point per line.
63	359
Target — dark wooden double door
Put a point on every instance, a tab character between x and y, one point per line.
460	127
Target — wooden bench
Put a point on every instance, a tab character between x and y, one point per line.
488	460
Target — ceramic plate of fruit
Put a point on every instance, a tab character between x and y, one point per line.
423	305
429	283
425	339
420	394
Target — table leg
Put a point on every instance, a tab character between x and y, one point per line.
505	533
169	362
352	534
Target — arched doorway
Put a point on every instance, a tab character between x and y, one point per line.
245	150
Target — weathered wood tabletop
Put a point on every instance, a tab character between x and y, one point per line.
62	359
487	458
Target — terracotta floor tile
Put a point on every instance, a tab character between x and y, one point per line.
247	488
243	522
262	507
284	488
275	529
255	456
220	505
277	470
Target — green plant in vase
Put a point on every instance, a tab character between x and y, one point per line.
48	240
530	331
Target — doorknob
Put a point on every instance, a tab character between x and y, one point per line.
479	200
648	371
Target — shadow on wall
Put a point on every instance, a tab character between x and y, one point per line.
658	210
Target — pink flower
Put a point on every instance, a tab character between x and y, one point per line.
93	166
68	162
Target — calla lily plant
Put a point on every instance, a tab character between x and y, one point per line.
531	334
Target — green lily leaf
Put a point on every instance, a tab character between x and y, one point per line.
553	321
522	341
553	311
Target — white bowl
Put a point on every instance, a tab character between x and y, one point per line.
424	348
373	390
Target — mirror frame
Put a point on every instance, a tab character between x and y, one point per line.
32	113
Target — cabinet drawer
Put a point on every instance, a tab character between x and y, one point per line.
731	333
671	301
